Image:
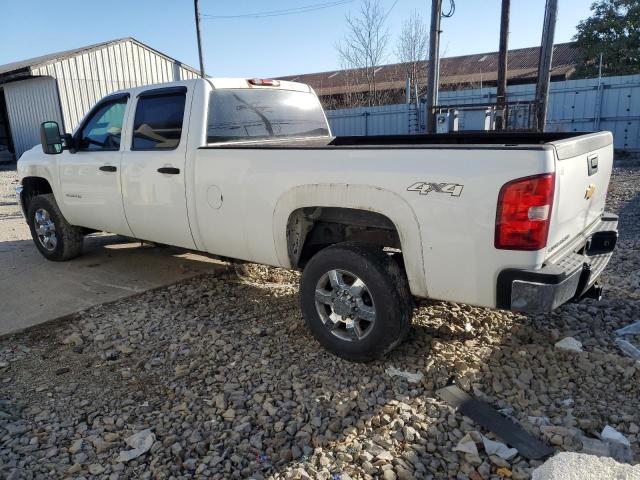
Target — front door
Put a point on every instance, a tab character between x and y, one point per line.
153	176
90	177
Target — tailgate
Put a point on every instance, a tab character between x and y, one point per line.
583	170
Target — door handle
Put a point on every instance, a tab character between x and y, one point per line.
108	168
169	170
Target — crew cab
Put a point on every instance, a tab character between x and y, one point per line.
249	170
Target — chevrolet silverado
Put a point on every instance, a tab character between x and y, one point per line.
249	170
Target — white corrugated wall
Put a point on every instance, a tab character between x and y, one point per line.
29	103
87	77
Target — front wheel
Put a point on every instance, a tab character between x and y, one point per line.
356	301
54	237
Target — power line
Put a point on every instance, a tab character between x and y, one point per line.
392	7
278	13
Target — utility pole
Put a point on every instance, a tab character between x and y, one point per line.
407	90
196	4
544	65
433	71
501	97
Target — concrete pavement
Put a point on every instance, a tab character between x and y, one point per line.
34	290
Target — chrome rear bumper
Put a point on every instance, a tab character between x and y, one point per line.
569	278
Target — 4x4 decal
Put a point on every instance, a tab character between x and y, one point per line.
424	188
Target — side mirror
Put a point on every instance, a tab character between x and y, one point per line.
50	138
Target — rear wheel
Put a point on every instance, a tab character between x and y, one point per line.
356	301
54	237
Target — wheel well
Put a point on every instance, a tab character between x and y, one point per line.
32	187
311	229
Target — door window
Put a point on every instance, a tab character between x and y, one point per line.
158	122
103	129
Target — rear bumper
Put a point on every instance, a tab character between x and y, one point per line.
570	278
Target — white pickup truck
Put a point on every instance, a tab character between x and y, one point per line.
248	169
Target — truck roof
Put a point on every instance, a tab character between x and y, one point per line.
221	83
236	82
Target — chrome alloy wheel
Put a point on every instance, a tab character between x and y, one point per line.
345	305
45	229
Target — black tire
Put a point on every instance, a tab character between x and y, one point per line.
68	239
386	289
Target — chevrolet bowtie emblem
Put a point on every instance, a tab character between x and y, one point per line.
590	190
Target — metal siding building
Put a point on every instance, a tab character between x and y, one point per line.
29	103
456	73
64	86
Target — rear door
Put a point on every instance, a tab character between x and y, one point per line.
583	170
153	167
90	177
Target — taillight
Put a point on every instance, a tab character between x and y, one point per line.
524	213
264	82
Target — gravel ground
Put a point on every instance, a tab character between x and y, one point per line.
10	214
229	383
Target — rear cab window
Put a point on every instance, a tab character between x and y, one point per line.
260	114
159	117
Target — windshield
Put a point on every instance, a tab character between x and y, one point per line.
252	114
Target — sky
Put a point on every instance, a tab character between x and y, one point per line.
259	47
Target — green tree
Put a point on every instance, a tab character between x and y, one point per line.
613	30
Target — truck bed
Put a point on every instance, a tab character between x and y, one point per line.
515	140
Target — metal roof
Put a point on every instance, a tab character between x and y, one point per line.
462	70
24	67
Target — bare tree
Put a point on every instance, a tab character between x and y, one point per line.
364	47
411	47
351	97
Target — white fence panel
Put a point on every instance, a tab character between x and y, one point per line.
611	103
397	119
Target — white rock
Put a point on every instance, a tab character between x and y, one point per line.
411	377
74	339
140	442
579	466
569	343
610	433
498	448
385	455
466	445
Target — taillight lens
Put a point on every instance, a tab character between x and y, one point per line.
524	213
264	82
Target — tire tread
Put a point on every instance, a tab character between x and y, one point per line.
71	237
397	286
